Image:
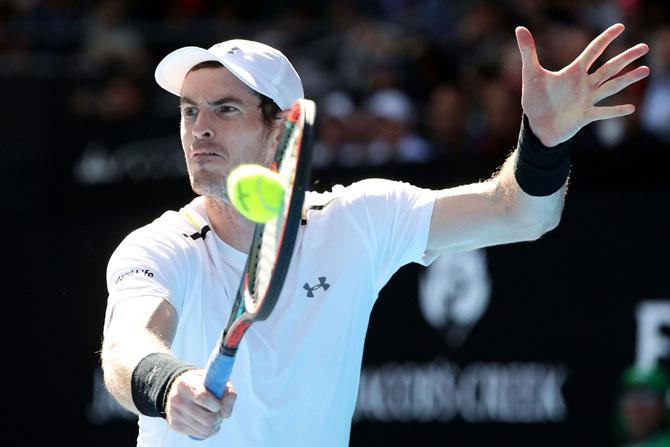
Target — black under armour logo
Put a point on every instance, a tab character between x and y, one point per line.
198	235
233	50
310	290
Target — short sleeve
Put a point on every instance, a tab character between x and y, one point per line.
147	263
395	217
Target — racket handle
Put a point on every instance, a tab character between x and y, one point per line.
218	372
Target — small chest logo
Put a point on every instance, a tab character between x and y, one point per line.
321	285
198	235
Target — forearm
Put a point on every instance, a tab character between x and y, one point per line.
526	216
138	327
120	355
145	380
520	203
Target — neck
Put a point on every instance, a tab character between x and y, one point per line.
228	224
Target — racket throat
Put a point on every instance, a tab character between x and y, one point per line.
228	351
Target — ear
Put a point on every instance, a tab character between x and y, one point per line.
273	134
277	126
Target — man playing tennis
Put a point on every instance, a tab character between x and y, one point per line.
172	282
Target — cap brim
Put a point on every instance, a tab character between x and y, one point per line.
172	70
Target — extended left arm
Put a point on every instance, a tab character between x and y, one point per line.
493	212
525	200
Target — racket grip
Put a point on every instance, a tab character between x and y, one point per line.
218	372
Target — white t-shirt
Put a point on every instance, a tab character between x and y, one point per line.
296	374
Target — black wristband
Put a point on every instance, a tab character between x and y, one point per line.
151	381
540	170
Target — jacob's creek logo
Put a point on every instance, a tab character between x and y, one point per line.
134	272
454	294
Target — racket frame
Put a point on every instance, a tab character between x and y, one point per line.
221	361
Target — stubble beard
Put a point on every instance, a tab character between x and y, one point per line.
214	184
209	184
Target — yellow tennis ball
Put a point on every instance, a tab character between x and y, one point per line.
256	192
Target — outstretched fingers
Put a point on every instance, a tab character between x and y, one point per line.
616	64
615	85
598	46
607	112
526	43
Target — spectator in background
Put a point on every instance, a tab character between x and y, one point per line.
447	122
119	97
111	41
655	113
500	111
393	138
335	128
106	107
624	134
372	55
643	408
564	39
510	75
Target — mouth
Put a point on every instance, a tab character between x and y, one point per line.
205	154
208	153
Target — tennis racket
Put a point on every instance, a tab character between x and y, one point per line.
271	247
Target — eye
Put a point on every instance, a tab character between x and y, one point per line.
189	112
225	109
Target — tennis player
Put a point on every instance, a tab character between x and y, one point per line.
172	283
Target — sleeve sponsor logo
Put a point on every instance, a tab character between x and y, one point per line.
134	272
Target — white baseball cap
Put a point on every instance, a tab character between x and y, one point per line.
261	67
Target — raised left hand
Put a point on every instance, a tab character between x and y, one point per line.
559	103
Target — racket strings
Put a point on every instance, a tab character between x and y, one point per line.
271	238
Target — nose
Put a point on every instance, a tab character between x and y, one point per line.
203	127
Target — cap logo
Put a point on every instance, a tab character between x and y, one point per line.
233	50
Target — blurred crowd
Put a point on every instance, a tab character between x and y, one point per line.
643	413
396	81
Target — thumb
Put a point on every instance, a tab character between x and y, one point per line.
526	43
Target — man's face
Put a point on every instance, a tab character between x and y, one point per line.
221	127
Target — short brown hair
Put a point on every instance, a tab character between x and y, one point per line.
269	109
